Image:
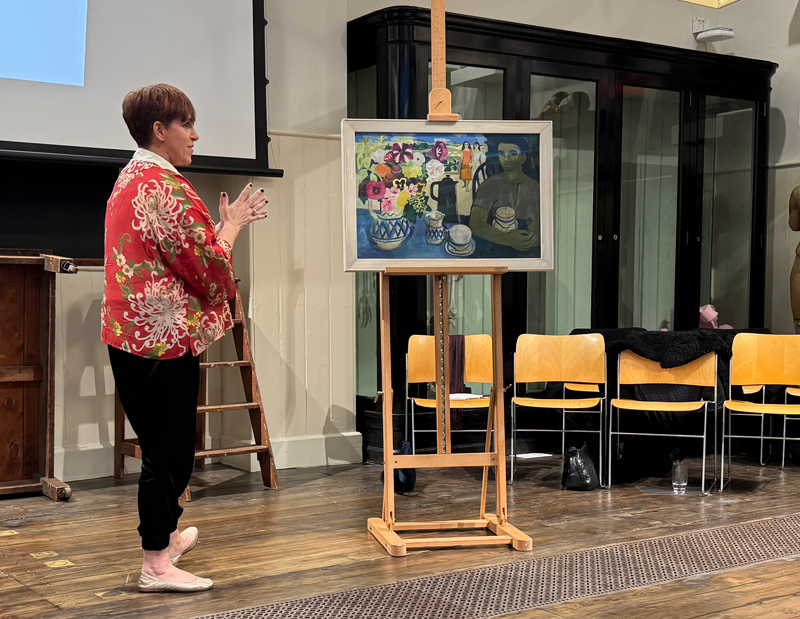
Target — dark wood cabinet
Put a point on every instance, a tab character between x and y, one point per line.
27	373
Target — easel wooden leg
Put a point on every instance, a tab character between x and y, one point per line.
388	401
390	540
489	425
499	404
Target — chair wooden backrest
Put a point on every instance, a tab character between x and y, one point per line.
636	370
561	358
478	367
762	359
421	366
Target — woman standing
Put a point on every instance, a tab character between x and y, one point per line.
168	279
466	163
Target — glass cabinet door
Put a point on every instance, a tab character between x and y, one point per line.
727	208
651	143
560	300
477	92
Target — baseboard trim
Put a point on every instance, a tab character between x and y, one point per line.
78	462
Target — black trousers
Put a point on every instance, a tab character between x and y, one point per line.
160	400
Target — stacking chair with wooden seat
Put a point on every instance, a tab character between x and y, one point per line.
760	359
421	368
635	370
578	361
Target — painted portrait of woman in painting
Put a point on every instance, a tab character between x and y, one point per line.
506	206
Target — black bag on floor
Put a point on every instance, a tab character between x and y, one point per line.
404	479
579	472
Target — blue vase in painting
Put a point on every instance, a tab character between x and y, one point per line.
389	230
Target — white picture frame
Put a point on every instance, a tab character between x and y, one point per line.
453	216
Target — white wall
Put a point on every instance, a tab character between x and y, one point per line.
307	64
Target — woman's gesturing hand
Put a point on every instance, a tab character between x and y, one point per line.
245	210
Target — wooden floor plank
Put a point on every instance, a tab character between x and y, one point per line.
310	537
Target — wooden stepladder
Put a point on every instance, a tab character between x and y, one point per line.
254	406
386	528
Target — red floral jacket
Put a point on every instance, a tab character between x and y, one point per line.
167	277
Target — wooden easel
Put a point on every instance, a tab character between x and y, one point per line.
386	528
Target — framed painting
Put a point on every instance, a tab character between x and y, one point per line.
470	192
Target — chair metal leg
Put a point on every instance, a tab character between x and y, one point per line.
600	443
705	426
413	431
716	451
722	459
761	459
513	440
610	440
783	453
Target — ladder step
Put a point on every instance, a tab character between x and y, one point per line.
219	408
231	451
223	364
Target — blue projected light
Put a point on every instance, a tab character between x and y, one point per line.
43	40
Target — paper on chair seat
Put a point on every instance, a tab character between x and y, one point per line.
467	396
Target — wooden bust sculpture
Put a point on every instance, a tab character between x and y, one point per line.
794	276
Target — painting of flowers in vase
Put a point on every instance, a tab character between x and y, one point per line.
472	191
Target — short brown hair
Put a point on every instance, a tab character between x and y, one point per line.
141	109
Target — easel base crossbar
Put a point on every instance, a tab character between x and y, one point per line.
397	546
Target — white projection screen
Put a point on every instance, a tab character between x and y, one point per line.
205	47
